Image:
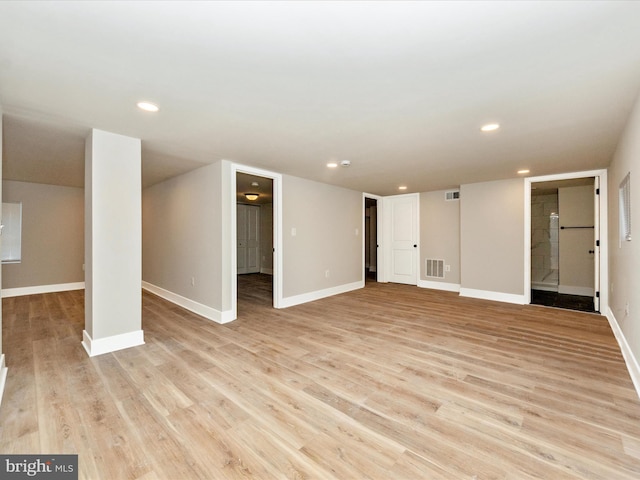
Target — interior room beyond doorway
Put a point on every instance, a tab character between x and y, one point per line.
254	236
563	252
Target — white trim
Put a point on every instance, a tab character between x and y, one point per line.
266	271
629	358
495	296
571	290
527	241
191	305
603	231
3	376
318	294
113	343
59	287
447	287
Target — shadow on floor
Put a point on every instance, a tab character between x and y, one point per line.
561	300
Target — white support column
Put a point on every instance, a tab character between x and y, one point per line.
113	243
3	368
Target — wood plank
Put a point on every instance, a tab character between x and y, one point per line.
386	382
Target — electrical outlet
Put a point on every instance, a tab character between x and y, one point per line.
447	268
326	273
626	309
193	281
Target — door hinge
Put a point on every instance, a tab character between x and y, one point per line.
597	243
597	191
597	294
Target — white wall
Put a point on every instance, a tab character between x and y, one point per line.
624	257
52	235
325	219
182	237
492	240
440	237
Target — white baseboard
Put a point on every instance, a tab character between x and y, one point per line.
318	294
495	296
571	290
111	344
266	271
59	287
191	305
3	376
448	287
629	358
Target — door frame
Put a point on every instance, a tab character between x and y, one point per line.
602	253
379	229
277	233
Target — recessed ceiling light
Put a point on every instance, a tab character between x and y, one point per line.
332	164
148	106
402	187
345	163
523	171
490	127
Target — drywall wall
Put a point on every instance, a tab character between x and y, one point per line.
624	256
182	236
492	240
576	263
52	235
440	235
322	237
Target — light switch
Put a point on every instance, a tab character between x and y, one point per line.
293	231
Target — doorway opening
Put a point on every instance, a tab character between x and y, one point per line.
564	245
269	192
370	240
254	240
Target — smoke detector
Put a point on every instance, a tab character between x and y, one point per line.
345	163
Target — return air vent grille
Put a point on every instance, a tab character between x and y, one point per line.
452	195
434	268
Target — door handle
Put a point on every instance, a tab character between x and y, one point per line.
592	251
415	246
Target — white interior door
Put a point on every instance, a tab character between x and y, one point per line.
403	224
248	238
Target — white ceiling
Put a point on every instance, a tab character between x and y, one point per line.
398	88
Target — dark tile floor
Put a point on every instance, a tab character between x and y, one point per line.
561	300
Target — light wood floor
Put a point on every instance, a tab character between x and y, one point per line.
388	382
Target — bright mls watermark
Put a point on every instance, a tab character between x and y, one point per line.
39	467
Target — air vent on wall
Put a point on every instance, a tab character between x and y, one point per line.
452	195
434	268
